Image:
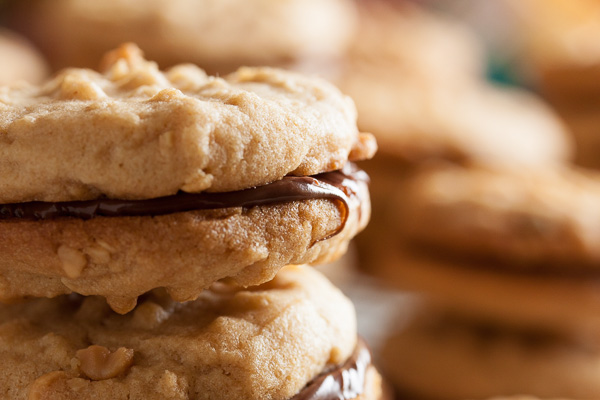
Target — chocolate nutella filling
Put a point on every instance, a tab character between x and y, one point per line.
345	382
336	186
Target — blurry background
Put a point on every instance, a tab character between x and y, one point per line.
478	275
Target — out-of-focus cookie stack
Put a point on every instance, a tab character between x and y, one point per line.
560	50
129	190
508	262
424	100
476	208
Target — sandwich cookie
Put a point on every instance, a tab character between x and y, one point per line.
438	356
291	338
514	247
146	179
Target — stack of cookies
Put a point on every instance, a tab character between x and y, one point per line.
475	208
147	227
424	99
508	261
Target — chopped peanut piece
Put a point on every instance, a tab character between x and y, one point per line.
98	362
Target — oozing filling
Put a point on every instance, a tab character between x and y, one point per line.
345	382
336	186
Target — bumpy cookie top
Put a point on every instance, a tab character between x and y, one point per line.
135	132
266	342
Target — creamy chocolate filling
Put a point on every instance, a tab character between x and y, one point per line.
345	382
336	186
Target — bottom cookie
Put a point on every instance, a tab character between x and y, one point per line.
439	357
291	338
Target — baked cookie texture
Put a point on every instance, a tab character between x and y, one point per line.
264	32
134	132
121	258
266	342
20	60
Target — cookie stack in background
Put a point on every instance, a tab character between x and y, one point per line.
508	265
148	189
507	269
560	52
427	109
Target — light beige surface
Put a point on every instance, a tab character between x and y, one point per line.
211	33
20	60
135	132
263	343
123	257
454	360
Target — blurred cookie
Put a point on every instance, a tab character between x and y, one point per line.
419	89
416	80
512	246
20	60
559	43
218	35
561	50
438	357
294	337
118	203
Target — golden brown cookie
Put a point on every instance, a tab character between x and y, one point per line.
438	357
273	341
218	35
116	202
134	132
20	60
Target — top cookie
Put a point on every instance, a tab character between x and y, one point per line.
210	33
134	132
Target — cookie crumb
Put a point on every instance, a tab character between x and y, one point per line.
99	363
